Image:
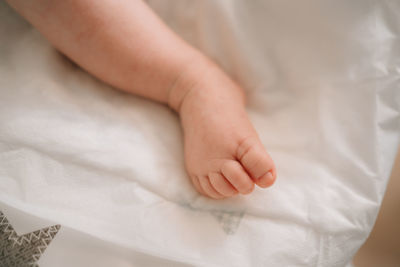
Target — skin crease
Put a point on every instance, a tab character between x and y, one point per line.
127	46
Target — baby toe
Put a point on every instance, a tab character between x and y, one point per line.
257	162
237	176
266	180
209	189
196	183
222	185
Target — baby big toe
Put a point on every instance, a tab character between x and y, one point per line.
257	163
266	180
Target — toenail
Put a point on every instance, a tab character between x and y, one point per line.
266	179
269	176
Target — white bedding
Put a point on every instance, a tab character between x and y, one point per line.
323	82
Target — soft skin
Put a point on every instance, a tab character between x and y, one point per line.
123	43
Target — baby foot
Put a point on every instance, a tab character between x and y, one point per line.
223	153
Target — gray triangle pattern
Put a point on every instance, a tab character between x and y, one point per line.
228	220
24	250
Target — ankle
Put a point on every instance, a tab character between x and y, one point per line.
199	77
186	81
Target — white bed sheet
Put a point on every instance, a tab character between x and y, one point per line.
323	87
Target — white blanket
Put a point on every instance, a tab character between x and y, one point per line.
322	80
